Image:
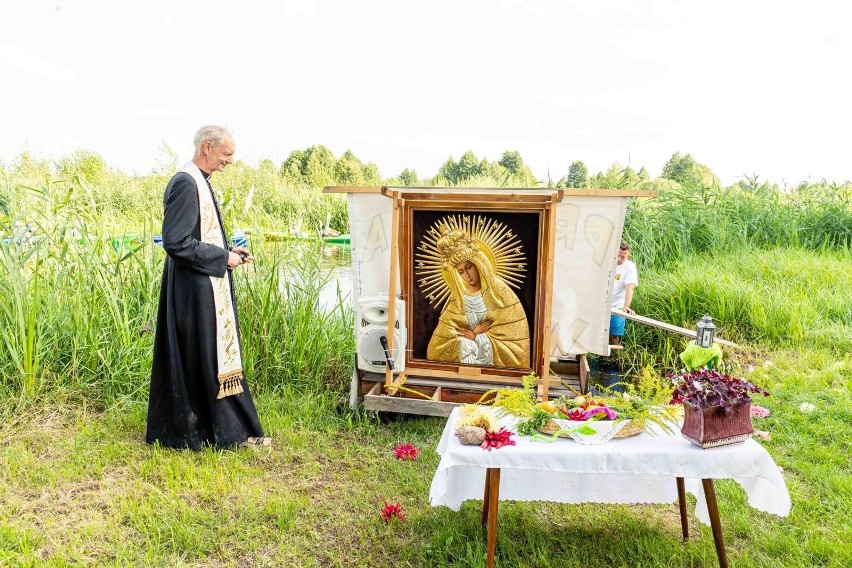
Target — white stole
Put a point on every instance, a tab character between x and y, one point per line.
230	362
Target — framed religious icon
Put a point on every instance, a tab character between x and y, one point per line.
473	277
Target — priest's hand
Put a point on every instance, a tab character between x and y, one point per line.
244	253
238	256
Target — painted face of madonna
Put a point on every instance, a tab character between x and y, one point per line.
470	274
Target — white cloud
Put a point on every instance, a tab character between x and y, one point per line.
152	112
21	59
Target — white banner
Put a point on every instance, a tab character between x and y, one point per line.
370	224
588	231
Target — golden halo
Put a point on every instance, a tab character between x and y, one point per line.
500	244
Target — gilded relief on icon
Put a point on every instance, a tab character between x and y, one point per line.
466	266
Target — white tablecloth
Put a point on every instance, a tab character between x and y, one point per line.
638	469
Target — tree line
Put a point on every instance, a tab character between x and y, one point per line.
316	166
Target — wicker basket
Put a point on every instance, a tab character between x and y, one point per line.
630	429
551	427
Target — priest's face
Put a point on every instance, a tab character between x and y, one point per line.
217	156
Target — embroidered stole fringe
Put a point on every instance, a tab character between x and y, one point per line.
230	373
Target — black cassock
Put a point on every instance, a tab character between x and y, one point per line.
183	411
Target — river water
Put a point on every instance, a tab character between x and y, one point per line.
333	261
337	260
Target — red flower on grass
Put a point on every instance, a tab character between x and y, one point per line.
406	452
497	439
392	511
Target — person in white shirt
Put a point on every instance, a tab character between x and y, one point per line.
626	280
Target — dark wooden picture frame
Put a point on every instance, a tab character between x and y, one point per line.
528	222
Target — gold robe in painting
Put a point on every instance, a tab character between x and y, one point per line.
510	333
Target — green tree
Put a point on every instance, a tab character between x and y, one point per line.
578	174
682	169
449	171
408	178
293	168
643	174
371	174
266	166
319	169
468	167
629	178
349	170
686	171
512	161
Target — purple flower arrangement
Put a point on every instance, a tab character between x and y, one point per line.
704	388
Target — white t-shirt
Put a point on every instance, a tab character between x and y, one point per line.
625	273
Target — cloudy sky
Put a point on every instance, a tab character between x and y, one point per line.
746	87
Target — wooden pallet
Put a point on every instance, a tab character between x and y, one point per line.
432	396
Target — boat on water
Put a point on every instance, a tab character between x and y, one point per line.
338	240
274	236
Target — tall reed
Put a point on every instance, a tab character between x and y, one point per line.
80	312
81	308
289	337
695	219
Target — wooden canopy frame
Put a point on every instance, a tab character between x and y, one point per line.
544	201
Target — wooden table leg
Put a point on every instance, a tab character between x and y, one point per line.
486	496
715	523
493	497
681	500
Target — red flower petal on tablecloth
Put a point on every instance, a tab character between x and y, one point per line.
497	439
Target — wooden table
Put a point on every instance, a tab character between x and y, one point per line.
658	469
492	497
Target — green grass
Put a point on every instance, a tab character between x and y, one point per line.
784	298
83	488
78	486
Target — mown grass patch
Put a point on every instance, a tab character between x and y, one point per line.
86	489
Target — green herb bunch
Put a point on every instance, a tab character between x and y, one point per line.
533	424
645	402
515	401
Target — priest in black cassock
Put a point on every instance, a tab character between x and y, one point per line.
198	392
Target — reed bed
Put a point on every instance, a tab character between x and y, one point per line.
81	310
695	219
778	298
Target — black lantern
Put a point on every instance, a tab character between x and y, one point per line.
704	331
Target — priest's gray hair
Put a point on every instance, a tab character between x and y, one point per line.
213	133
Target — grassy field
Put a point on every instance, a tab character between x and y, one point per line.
78	486
83	488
